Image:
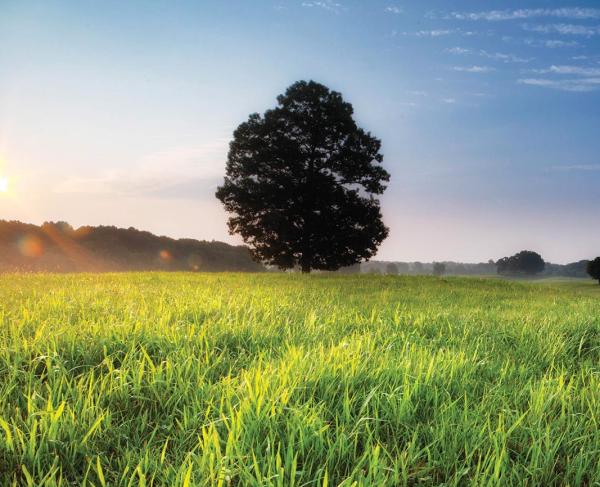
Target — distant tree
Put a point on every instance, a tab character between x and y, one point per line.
417	267
525	262
460	270
593	268
574	269
531	262
439	268
403	267
300	183
391	268
503	265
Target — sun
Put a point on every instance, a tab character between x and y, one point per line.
3	185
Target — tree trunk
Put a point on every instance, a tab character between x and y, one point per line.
307	255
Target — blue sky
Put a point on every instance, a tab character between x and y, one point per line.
120	113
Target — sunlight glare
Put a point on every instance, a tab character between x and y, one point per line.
31	246
3	185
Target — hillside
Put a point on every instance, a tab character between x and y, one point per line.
58	247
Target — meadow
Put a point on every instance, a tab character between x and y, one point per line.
290	380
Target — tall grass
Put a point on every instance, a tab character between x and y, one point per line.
286	380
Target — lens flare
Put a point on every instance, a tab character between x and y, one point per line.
3	185
165	256
31	246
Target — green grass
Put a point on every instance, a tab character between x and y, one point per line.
287	380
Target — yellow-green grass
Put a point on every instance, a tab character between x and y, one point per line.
291	380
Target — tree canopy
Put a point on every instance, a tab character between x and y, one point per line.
593	268
300	183
524	262
439	268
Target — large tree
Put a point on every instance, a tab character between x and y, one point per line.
593	268
301	182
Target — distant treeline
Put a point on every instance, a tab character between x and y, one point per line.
575	269
58	247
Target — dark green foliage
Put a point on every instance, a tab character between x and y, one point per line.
439	268
593	268
300	183
573	269
57	247
525	262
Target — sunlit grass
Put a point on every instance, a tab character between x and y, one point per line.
287	380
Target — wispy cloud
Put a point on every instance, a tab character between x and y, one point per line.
581	78
506	58
497	56
114	184
498	15
182	172
449	101
571	70
440	33
576	167
431	33
564	29
393	10
577	85
474	69
329	5
457	50
550	43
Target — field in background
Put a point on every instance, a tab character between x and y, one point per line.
288	380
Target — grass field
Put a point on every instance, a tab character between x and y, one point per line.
287	380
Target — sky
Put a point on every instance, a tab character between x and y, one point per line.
120	113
